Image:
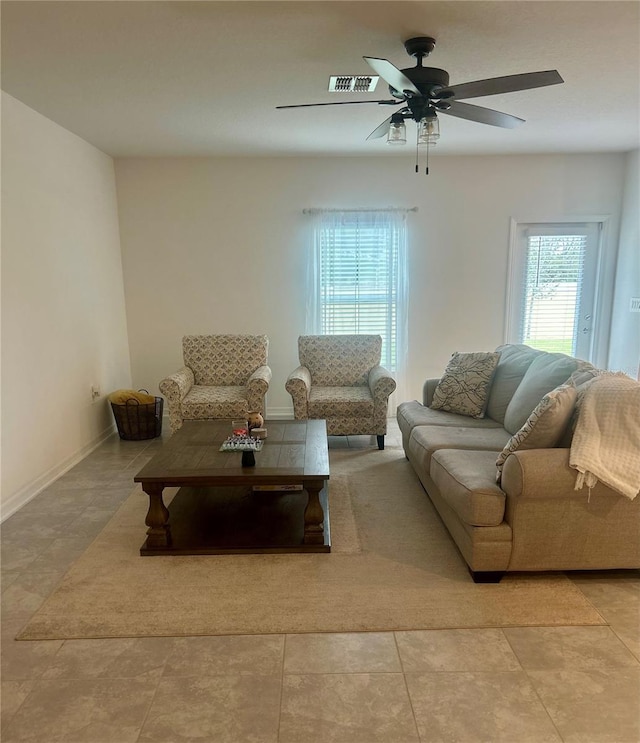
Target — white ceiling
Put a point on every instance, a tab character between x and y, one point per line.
203	78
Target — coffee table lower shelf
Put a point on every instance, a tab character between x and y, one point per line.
237	520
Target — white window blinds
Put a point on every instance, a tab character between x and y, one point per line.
357	281
552	301
360	260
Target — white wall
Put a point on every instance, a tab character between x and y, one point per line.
219	245
63	312
625	327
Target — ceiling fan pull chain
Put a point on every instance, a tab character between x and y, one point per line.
426	170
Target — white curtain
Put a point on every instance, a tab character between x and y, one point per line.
357	281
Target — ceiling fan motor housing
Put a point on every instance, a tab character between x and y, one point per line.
420	46
428	80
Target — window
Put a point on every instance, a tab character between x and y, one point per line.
358	283
552	292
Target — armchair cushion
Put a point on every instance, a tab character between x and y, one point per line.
214	402
343	402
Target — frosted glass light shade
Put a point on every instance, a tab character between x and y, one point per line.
429	131
397	133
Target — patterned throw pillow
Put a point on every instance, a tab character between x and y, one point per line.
545	426
464	387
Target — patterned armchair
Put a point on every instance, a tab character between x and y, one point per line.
224	376
340	379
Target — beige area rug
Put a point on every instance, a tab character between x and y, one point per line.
393	566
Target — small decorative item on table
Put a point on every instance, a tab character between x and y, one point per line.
246	445
241	443
239	427
254	419
248	459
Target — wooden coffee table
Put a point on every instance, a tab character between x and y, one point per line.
217	511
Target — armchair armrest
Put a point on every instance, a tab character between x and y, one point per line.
257	386
175	388
298	385
428	388
381	384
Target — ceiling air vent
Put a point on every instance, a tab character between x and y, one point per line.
353	83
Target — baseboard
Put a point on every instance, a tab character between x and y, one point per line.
279	413
28	492
272	414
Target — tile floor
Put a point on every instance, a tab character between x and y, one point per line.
517	685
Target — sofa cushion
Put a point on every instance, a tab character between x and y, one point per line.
464	386
340	402
545	426
546	372
514	361
214	402
581	379
466	481
412	414
425	440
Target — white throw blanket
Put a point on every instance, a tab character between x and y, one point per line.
606	442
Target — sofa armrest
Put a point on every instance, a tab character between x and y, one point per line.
175	389
428	388
545	473
257	386
558	528
298	385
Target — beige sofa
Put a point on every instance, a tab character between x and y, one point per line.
534	520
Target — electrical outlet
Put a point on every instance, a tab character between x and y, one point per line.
95	392
634	305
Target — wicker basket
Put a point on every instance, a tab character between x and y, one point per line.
136	422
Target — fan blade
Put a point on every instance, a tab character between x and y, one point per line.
507	84
392	75
391	102
481	115
381	130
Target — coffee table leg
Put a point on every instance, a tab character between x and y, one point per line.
313	515
159	532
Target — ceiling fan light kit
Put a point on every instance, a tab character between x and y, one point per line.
428	131
425	92
397	131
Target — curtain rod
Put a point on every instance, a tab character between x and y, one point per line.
361	209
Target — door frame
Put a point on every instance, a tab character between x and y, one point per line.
605	275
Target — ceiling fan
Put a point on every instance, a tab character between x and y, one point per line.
425	92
